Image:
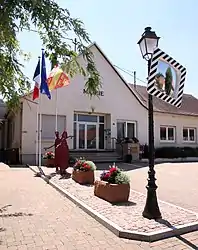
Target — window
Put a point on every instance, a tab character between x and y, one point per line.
81	123
189	134
167	133
101	119
120	130
126	129
48	126
87	118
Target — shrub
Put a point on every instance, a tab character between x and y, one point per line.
168	152
176	152
91	164
72	160
83	165
122	178
145	151
114	176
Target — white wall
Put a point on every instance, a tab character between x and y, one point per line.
117	101
178	121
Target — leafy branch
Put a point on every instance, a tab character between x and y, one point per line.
53	24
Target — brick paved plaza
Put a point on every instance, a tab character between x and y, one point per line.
36	216
177	183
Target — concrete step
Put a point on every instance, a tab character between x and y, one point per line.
107	161
97	156
94	154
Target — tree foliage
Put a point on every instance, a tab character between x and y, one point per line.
168	81
53	24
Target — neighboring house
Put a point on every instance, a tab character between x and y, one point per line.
120	110
173	126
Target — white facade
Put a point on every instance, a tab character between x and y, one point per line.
183	128
95	123
117	104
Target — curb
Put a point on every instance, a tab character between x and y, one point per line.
118	231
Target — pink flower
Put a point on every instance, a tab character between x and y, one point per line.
112	170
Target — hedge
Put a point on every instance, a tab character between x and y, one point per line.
173	152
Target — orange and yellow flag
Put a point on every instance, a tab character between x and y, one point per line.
57	79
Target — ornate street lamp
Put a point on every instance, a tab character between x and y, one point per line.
148	42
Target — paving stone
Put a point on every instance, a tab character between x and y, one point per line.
55	222
128	216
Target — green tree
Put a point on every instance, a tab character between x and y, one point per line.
53	25
168	81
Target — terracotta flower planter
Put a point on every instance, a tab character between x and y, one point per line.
83	177
112	192
50	163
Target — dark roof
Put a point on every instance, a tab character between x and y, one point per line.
189	103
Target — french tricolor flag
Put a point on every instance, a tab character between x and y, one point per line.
37	80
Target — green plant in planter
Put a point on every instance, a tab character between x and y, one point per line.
115	176
122	178
91	164
83	165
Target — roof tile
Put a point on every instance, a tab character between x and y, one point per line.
189	103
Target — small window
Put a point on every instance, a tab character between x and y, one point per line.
74	134
192	134
120	130
130	130
170	134
189	134
49	124
126	129
101	119
167	134
87	118
185	134
163	133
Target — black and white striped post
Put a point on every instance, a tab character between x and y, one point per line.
147	43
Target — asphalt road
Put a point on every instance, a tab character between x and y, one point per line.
177	183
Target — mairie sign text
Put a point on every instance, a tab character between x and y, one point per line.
100	93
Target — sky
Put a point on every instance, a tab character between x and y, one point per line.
117	26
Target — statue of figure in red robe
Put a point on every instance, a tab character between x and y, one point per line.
62	154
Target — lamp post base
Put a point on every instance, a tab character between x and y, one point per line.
151	210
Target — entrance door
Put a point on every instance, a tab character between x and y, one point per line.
87	136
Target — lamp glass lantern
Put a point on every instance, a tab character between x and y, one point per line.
147	43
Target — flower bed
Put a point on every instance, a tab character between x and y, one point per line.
83	172
114	186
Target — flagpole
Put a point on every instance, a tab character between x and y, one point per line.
56	111
40	131
37	79
37	132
